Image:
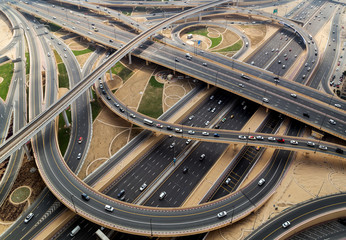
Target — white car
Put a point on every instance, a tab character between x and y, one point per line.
191	132
259	137
332	121
144	185
109	208
172	145
261	182
222	214
188	141
265	100
178	130
337	105
205	133
323	147
293	95
286	224
207	123
242	137
28	218
272	139
293	142
311	144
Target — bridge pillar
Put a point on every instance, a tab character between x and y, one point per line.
67	124
267	109
235	146
199	17
130	59
27	152
146	62
110	74
91	95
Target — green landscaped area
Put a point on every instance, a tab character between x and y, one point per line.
235	47
6	72
122	71
53	27
204	32
63	77
20	194
57	57
95	106
64	133
84	51
151	103
27	66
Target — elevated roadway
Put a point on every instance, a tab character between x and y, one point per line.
130	218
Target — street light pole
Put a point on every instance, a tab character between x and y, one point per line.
75	209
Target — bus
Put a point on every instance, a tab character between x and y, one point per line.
148	122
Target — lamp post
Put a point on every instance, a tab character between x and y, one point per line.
75	209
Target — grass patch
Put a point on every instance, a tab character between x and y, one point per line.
57	57
53	27
95	106
204	32
235	47
151	103
63	77
20	194
64	133
127	13
122	71
6	72
27	66
84	51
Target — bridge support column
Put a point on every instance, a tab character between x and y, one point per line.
27	152
67	124
110	74
146	62
130	59
199	17
267	109
235	146
91	95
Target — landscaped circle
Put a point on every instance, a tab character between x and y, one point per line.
20	194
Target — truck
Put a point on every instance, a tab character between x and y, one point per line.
101	235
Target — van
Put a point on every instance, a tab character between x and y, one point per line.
75	231
202	157
162	195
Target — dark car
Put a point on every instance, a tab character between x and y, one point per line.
85	197
121	193
281	140
306	115
185	170
169	128
339	150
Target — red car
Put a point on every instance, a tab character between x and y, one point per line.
252	138
281	140
80	140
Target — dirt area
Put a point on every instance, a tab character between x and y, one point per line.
282	9
6	33
10	212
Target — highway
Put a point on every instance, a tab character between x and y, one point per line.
125	213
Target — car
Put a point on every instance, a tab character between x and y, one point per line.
132	115
310	144
213	110
216	135
293	142
222	214
191	132
111	40
241	85
172	145
205	133
217	126
265	100
104	92
257	148
232	116
306	115
85	197
211	97
108	97
223	120
280	140
219	102
242	137
286	224
204	64
261	182
28	218
201	157
191	117
79	156
121	109
332	121
121	193
293	95
188	141
109	208
259	137
48	54
283	66
207	123
169	128
323	147
228	180
272	139
176	59
178	130
141	188
279	62
252	138
339	150
162	195
252	63
122	198
158	125
185	170
65	56
80	140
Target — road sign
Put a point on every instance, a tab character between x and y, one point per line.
275	10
